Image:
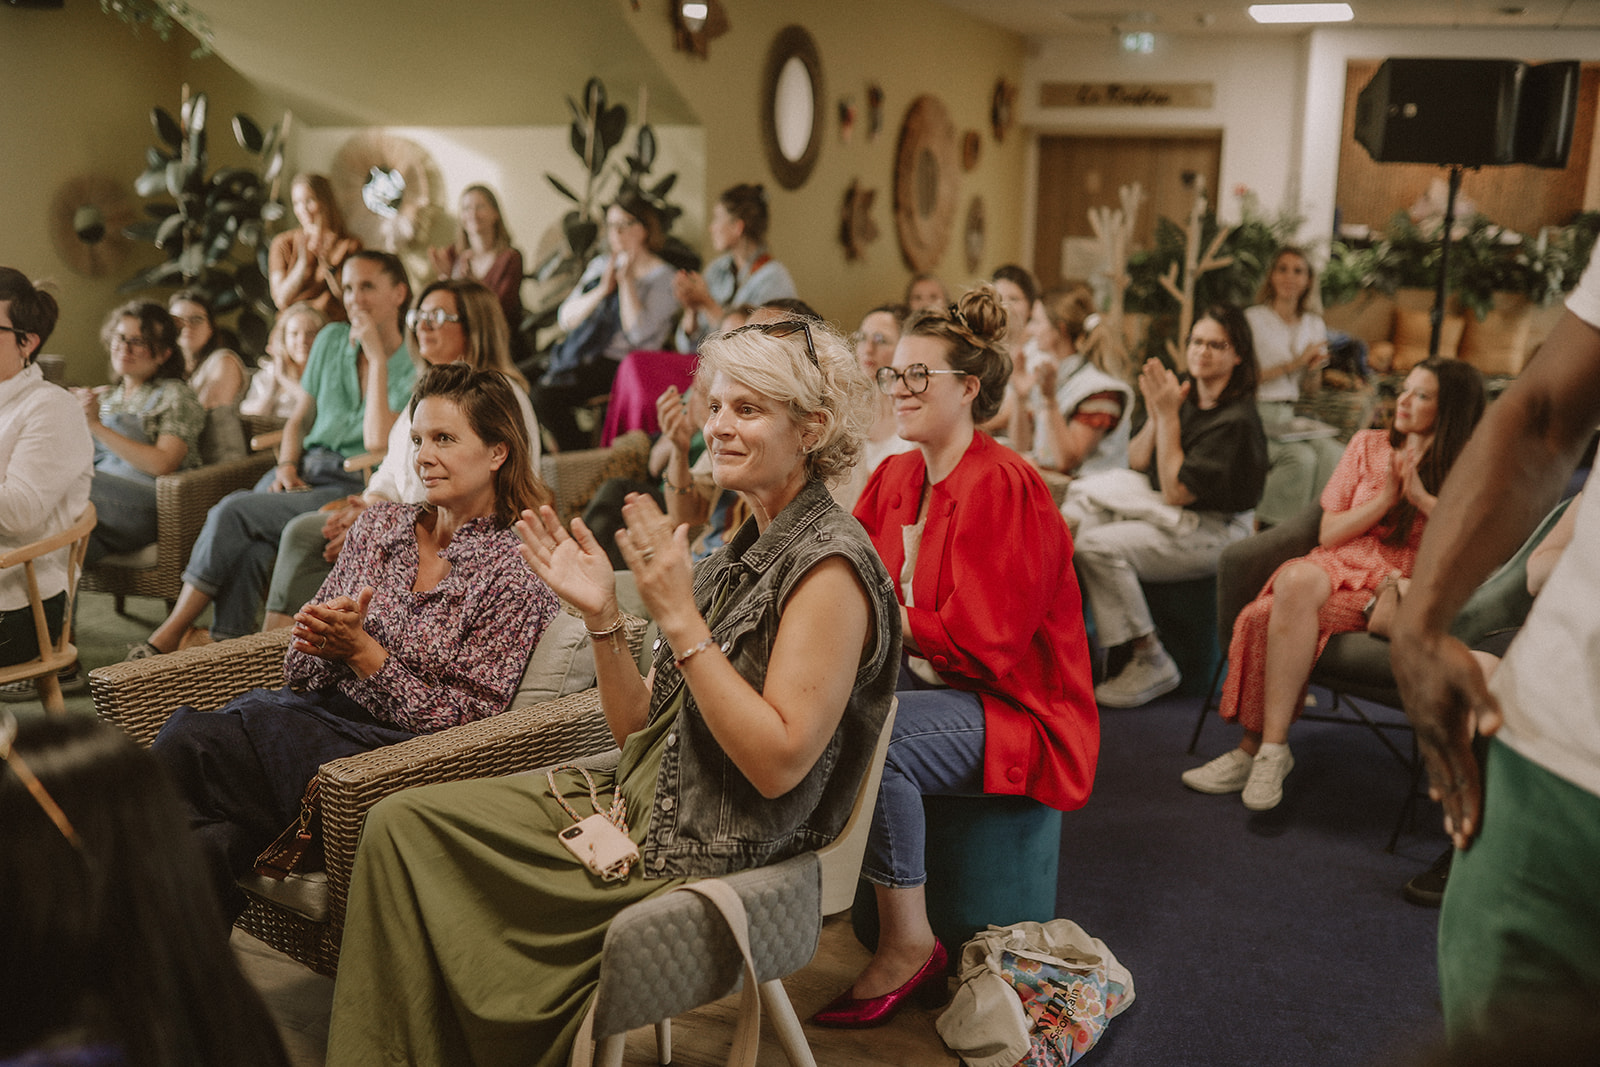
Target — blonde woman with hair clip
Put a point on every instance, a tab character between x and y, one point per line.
473	934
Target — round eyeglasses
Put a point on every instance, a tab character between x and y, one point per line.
915	377
434	319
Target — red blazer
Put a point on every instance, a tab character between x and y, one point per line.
998	612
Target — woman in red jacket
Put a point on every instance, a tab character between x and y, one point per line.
995	694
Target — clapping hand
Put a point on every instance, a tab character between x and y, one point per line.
672	412
332	630
1162	391
574	565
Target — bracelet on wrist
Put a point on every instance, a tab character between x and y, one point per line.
679	661
608	631
681	490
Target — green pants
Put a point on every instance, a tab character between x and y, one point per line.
1521	917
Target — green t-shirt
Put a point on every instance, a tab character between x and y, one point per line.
331	379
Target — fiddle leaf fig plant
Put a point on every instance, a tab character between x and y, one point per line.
212	226
598	127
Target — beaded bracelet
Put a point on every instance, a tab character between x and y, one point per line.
680	490
679	661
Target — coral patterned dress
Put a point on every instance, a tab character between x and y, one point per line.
1354	569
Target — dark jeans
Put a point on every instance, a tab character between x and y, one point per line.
19	642
554	404
241	771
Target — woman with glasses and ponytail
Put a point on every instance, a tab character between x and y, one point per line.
995	687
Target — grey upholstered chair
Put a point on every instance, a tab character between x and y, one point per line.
674	953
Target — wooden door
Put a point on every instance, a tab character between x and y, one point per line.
1078	173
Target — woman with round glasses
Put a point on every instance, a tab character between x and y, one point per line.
875	342
1204	454
147	425
995	680
457	321
473	935
623	302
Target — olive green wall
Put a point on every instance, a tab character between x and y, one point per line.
909	48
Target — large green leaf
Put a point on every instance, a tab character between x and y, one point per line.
226	300
645	148
167	128
612	125
272	211
562	188
578	135
664	186
171	227
594	96
274	165
142	230
160	274
178	174
155	159
247	133
160	210
152	182
192	260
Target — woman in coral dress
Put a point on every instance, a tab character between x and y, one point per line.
1374	509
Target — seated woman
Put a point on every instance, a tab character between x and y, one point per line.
304	265
926	291
482	252
622	302
147	425
1071	406
1205	456
1374	510
426	622
275	389
473	935
46	460
215	372
103	891
875	344
996	693
744	272
456	321
1291	345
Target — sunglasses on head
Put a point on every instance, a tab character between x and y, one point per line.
786	328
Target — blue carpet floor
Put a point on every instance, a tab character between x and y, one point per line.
1266	939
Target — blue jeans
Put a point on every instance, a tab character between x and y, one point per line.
298	574
936	749
125	510
232	558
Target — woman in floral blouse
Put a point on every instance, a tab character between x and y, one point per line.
426	622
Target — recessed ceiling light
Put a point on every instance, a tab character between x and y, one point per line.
1301	12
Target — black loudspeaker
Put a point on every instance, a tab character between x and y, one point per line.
1548	111
1445	111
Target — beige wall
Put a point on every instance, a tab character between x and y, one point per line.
79	88
908	49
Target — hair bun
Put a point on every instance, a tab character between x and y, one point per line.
984	314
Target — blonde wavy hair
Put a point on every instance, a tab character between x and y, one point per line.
830	399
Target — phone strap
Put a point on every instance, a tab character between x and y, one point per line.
618	813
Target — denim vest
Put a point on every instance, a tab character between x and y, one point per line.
707	819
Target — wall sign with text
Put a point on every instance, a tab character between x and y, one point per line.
1126	94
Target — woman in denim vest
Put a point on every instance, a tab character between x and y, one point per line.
744	746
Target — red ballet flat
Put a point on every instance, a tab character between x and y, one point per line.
928	986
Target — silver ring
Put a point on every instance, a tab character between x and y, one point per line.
648	554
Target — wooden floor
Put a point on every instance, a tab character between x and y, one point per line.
300	1000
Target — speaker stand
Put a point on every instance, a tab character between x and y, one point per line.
1441	292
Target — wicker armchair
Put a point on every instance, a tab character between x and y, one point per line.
574	476
303	917
183	500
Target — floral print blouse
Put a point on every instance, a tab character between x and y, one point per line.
456	652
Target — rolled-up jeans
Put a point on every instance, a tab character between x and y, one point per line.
232	559
300	570
936	749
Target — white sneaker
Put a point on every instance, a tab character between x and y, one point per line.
1267	771
1226	774
1149	674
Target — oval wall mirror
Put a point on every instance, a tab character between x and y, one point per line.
791	107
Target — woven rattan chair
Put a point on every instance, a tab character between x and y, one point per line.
59	654
183	500
304	917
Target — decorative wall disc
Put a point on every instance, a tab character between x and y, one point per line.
926	176
384	185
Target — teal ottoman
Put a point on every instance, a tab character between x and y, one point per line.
992	860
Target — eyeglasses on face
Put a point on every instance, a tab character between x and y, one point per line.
132	344
915	377
41	795
435	319
189	320
18	332
786	328
1218	347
